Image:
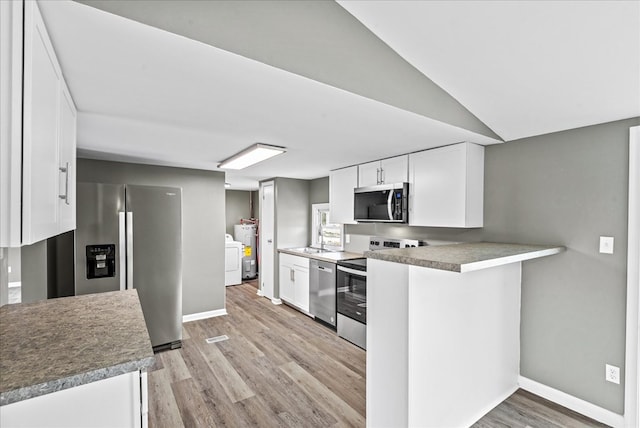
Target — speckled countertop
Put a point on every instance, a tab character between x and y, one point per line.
57	344
465	257
329	256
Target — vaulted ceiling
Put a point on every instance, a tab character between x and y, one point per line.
189	83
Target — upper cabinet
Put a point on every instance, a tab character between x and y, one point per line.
67	163
447	186
385	171
341	185
47	141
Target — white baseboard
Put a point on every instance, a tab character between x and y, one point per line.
203	315
276	301
569	401
259	292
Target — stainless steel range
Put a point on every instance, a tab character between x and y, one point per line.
351	290
378	243
351	296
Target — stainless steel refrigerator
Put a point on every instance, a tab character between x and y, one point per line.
130	236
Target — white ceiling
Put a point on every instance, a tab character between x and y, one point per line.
151	96
522	67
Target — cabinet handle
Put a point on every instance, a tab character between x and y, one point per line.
377	175
292	275
381	176
65	169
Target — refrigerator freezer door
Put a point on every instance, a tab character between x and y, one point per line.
156	227
98	225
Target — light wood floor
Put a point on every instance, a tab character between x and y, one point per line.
281	368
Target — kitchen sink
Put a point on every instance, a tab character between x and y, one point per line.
310	250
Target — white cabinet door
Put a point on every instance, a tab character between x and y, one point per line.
395	170
286	273
301	275
446	186
385	171
294	280
369	174
42	80
67	163
341	185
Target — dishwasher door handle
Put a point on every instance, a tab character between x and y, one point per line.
323	269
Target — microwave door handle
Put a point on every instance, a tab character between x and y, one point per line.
389	204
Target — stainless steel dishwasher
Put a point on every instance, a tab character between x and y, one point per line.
322	291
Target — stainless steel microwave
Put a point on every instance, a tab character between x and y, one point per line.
385	203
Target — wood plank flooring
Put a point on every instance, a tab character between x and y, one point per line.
281	368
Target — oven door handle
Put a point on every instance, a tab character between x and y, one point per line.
352	271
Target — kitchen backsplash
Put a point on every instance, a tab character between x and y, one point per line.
359	234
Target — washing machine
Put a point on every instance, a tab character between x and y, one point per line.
232	261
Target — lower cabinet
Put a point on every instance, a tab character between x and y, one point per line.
294	280
119	401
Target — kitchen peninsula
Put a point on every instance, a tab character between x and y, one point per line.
443	336
75	361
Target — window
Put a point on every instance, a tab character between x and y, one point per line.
323	233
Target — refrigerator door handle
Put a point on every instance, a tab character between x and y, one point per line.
129	249
122	249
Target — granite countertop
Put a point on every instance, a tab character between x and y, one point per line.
328	256
465	257
61	343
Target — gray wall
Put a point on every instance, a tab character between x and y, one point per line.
292	212
203	223
237	206
568	188
35	277
564	188
319	191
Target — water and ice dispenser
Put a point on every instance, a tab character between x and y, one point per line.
101	261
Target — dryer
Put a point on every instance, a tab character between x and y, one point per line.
232	261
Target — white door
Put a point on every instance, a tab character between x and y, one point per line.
267	249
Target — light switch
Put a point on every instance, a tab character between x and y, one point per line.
606	244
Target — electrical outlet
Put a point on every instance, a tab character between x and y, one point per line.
347	238
612	374
606	244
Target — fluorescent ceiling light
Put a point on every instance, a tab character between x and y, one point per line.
251	155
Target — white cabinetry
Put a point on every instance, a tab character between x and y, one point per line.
119	401
48	141
294	280
341	185
67	163
385	171
446	186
